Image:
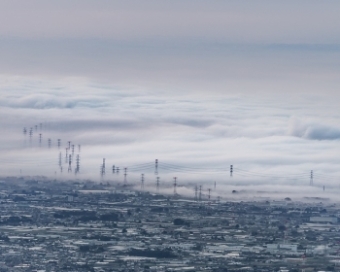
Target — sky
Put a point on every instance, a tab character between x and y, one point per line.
197	84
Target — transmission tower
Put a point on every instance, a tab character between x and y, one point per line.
24	131
311	178
72	149
31	133
113	169
36	127
69	164
102	170
40	138
69	144
231	170
157	184
200	193
209	190
175	186
196	193
49	141
60	165
125	175
142	181
77	164
215	185
79	147
117	171
59	143
156	167
66	154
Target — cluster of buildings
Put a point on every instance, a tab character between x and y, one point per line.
85	226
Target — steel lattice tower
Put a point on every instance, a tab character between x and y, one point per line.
156	167
142	181
157	184
175	186
311	178
125	175
69	164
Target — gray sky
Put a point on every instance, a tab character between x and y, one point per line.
249	83
171	45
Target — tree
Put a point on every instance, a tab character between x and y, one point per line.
180	222
282	228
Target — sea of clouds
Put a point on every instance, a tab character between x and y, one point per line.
272	141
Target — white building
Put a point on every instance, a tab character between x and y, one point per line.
276	248
323	219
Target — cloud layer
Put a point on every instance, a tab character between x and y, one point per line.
194	83
271	141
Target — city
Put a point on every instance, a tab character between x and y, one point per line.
85	226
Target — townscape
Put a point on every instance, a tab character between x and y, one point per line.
85	226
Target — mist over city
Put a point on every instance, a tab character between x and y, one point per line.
169	120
